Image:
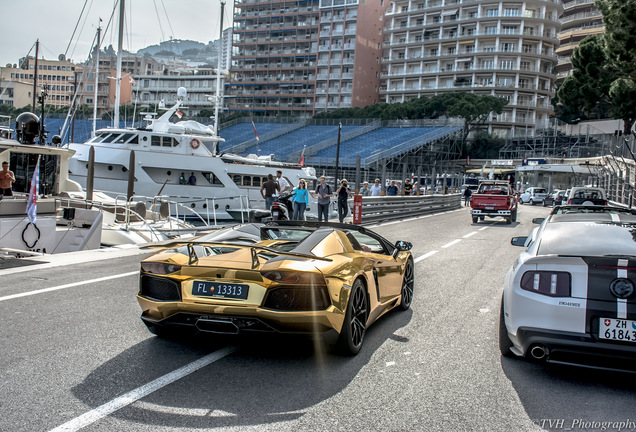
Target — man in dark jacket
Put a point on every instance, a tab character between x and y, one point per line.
268	191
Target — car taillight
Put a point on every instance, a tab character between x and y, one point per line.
291	277
553	284
569	201
159	268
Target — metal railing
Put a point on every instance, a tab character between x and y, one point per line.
386	208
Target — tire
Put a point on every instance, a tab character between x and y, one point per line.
545	204
504	340
531	202
355	322
508	220
408	283
482	218
513	215
475	219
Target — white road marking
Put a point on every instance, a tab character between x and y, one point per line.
140	392
70	285
391	363
426	255
451	243
483	228
470	234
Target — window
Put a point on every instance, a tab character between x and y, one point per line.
508	47
506	64
509	12
509	29
155	140
491	29
492	12
504	82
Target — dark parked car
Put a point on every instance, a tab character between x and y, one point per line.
555	198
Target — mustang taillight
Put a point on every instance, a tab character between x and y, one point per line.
553	284
292	277
159	268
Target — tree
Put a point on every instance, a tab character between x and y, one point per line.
587	89
473	109
484	146
619	17
623	95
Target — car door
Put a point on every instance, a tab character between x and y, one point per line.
387	271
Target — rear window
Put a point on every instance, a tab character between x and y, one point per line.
539	190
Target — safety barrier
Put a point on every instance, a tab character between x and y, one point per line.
386	208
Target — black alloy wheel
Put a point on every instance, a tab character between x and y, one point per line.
407	285
504	340
355	322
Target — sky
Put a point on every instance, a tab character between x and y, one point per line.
53	21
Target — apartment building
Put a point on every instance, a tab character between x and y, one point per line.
349	53
294	58
504	49
225	51
580	19
200	84
57	75
131	65
273	69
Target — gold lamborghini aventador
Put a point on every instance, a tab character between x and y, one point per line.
331	280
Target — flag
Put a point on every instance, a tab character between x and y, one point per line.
32	201
301	162
179	113
132	81
254	127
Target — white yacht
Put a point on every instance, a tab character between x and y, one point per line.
166	152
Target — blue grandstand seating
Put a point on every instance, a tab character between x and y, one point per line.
288	143
374	141
241	132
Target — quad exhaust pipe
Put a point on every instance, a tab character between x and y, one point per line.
539	352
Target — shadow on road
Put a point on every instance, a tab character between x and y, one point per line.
578	396
267	380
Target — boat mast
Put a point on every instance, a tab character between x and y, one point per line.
218	76
99	31
119	55
35	73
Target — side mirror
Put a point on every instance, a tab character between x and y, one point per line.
538	221
402	245
518	241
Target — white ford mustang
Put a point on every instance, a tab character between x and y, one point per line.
570	297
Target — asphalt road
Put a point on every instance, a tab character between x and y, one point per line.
79	356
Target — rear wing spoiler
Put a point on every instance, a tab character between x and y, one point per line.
193	257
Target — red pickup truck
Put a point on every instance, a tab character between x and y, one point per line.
494	199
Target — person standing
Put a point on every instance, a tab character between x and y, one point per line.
192	180
300	200
365	189
392	190
283	184
408	187
467	194
399	188
268	191
182	179
6	178
323	194
376	189
343	194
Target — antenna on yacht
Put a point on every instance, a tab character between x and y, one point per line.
218	76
